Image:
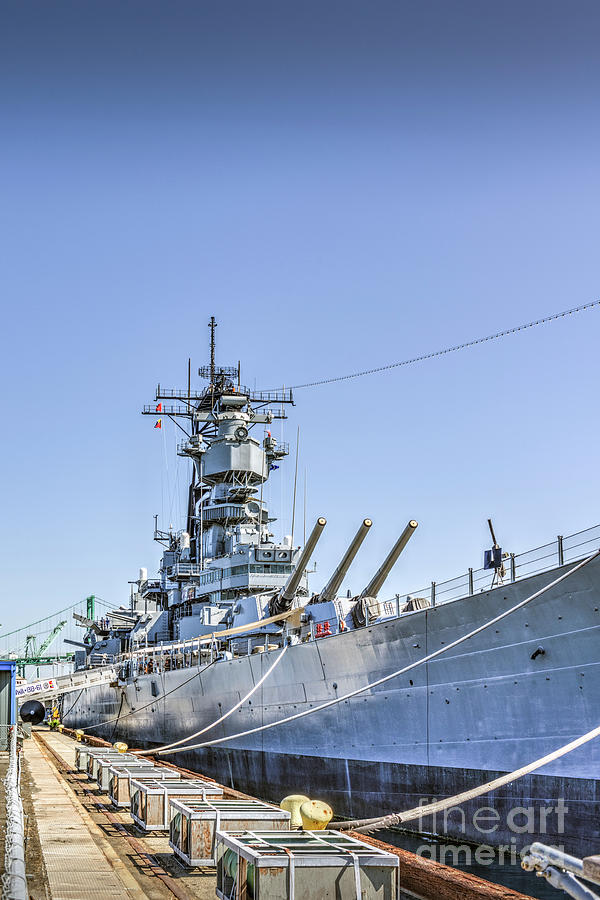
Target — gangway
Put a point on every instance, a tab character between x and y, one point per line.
50	688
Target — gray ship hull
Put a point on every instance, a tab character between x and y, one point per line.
484	708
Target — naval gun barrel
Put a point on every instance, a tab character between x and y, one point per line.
283	601
332	587
376	583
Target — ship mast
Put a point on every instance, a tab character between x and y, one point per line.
220	422
212	325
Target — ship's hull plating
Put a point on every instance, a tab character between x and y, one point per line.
483	708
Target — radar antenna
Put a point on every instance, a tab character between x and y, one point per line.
212	325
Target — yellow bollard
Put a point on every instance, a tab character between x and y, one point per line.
292	804
315	815
120	747
78	734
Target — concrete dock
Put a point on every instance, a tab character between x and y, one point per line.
79	846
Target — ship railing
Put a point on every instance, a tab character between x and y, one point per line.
282	395
159	658
282	448
562	551
162	657
213	576
559	552
177	394
149	409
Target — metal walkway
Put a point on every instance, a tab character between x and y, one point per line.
85	852
76	867
50	688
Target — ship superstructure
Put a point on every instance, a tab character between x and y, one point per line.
225	569
218	568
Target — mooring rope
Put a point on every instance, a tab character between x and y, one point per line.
218	634
409	815
178	687
408	668
140	709
224	716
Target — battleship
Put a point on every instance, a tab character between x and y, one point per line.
226	642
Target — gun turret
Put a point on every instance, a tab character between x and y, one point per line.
282	601
363	605
332	587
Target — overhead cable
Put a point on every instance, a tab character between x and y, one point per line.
454	349
51	616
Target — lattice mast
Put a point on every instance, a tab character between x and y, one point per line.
230	464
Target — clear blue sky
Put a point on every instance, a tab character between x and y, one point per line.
343	185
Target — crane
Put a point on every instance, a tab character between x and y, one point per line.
34	656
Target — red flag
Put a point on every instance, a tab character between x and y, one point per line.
159	407
158	423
